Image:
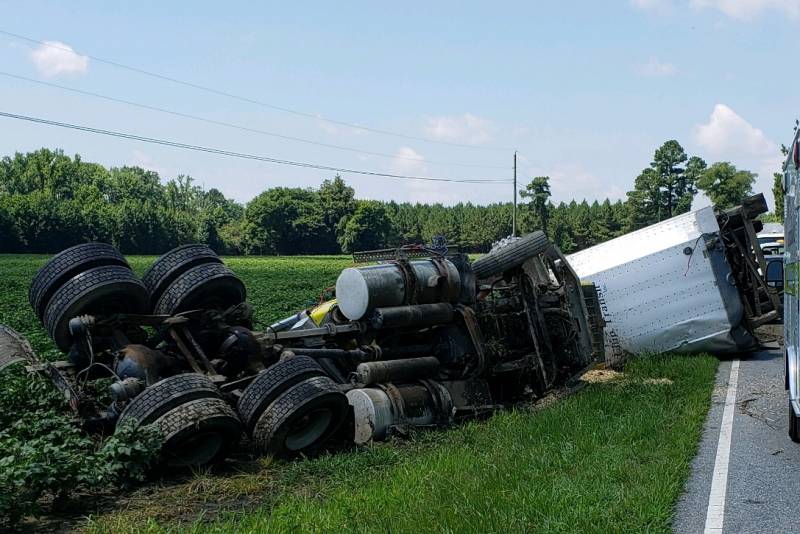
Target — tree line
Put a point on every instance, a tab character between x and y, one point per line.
49	201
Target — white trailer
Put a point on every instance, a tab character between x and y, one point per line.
671	286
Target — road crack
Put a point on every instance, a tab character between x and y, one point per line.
746	409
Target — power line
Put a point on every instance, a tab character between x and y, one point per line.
248	100
238	126
242	155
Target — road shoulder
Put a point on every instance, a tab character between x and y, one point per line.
764	466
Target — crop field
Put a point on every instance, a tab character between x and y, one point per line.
611	457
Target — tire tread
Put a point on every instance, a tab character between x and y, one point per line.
270	383
67	264
510	256
163	396
181	290
171	265
281	410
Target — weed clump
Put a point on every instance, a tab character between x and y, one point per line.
44	456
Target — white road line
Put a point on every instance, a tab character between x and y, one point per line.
719	484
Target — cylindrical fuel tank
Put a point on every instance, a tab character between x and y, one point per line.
377	409
372	410
359	290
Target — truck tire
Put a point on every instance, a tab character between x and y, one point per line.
64	266
167	394
14	348
511	255
102	290
206	286
174	263
794	428
302	418
269	384
198	432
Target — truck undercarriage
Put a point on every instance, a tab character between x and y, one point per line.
421	337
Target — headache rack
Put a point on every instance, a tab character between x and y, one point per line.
405	252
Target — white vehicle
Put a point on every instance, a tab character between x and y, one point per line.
791	257
771	233
689	284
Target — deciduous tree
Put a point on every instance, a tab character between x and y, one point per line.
725	185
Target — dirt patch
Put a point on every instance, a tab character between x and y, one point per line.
556	395
598	376
601	376
770	333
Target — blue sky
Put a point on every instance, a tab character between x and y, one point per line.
585	91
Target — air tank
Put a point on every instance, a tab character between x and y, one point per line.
359	290
369	373
416	315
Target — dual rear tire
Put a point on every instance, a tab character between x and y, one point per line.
292	408
191	277
198	427
95	279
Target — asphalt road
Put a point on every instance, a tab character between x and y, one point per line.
763	480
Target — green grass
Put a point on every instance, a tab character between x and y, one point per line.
610	458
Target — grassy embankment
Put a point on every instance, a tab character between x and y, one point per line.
613	457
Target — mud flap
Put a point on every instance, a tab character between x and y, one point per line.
14	348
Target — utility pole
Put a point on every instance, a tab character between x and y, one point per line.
514	214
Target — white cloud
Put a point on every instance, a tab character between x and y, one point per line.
466	128
570	181
658	69
408	161
729	137
54	57
726	133
747	9
738	9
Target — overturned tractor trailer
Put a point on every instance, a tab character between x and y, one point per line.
693	283
415	337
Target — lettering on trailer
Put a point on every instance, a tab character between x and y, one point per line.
612	337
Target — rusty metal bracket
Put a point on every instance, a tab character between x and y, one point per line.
198	350
410	279
185	351
471	322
